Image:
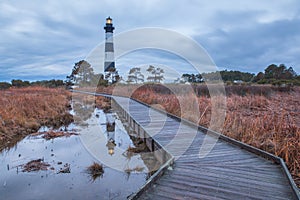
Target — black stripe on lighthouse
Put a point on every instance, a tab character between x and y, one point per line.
109	47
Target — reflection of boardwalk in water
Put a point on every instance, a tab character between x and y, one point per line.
109	146
227	172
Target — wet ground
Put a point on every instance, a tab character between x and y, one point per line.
117	182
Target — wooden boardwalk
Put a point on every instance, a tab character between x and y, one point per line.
226	172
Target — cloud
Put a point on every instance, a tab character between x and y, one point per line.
243	35
253	48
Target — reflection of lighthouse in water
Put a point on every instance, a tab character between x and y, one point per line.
110	129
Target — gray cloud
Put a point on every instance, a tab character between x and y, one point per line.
53	35
254	48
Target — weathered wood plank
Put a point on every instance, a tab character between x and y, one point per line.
227	172
221	190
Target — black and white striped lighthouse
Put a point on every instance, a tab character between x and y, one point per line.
109	60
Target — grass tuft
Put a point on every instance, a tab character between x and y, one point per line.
95	170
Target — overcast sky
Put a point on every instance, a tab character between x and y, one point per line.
43	39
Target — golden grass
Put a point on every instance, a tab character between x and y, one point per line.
23	111
271	124
261	116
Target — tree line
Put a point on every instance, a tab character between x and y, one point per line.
273	74
224	75
277	75
83	74
20	83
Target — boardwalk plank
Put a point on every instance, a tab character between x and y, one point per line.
226	172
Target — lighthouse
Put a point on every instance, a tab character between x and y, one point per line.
109	61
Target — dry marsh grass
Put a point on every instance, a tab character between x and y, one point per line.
95	170
54	134
35	165
23	111
263	116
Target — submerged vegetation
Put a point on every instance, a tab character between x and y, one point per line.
54	134
35	165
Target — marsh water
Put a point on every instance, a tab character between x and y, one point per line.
123	174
